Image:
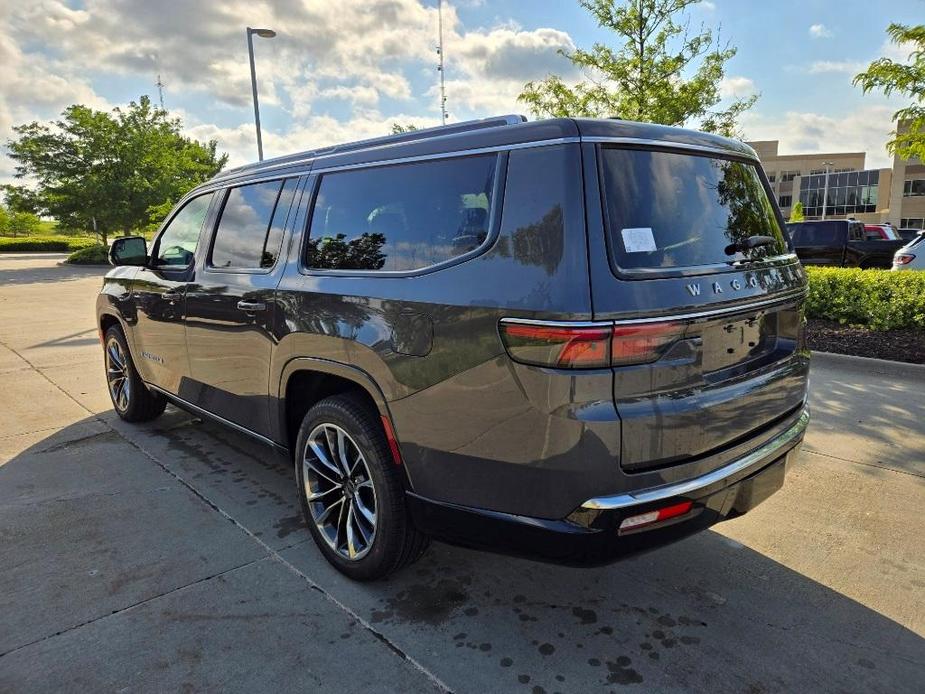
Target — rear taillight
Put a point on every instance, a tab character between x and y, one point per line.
586	345
903	258
564	346
642	342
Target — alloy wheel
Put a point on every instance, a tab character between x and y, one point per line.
339	491
117	376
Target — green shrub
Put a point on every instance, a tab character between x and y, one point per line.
875	299
94	255
46	244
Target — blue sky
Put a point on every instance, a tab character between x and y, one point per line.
349	69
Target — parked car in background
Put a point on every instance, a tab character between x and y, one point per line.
908	235
912	255
886	232
843	243
570	339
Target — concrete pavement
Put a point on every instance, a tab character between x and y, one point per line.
173	556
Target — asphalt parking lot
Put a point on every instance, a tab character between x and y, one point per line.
172	556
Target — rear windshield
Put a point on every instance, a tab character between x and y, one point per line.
668	210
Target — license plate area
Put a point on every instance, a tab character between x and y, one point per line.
758	488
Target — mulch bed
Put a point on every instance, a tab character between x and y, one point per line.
897	345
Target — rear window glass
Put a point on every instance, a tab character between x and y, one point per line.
817	234
402	217
251	225
668	210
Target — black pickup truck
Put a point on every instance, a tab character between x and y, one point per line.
840	243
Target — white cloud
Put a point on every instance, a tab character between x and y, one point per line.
864	129
736	86
707	5
820	31
848	67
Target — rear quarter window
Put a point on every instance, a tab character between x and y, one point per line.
809	234
670	210
401	217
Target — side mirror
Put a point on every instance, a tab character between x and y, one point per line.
129	250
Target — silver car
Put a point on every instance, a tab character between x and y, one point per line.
912	255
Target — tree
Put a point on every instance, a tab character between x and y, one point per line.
796	213
398	128
661	74
908	80
4	221
109	171
23	223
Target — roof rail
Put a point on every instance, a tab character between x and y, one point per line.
398	138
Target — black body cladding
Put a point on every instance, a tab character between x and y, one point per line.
389	267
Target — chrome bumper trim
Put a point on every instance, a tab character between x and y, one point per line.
760	454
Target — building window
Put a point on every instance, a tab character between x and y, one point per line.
912	223
849	193
788	175
771	176
785	200
914	188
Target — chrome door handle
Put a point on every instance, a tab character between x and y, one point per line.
248	306
172	296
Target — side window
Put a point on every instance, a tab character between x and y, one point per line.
401	217
854	232
177	244
250	228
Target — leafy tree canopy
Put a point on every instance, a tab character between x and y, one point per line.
117	169
662	73
907	79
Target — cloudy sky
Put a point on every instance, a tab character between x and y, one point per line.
347	69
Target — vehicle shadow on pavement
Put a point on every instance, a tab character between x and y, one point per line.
107	523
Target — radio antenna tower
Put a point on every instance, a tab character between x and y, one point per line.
440	64
160	90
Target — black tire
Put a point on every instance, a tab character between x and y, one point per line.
130	397
395	542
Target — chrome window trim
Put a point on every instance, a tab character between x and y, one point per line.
455	154
671	145
559	324
757	456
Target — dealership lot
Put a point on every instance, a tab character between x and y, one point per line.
173	555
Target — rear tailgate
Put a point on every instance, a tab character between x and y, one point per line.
702	284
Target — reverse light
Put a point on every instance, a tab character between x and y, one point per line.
657	516
586	345
903	258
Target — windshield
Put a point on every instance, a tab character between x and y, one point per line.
668	210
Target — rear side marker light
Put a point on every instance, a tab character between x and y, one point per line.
586	345
657	516
903	258
392	441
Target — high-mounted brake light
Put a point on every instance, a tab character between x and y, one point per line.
643	519
903	258
586	345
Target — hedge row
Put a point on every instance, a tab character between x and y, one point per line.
96	254
46	243
875	299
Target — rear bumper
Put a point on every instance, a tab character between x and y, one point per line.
591	534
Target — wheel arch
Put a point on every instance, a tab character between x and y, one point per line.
305	381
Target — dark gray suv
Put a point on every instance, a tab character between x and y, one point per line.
565	339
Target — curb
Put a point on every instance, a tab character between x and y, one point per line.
869	364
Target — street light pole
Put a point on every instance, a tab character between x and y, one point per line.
825	194
266	34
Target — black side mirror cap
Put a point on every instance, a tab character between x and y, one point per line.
129	250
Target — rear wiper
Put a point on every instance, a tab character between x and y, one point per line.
749	243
